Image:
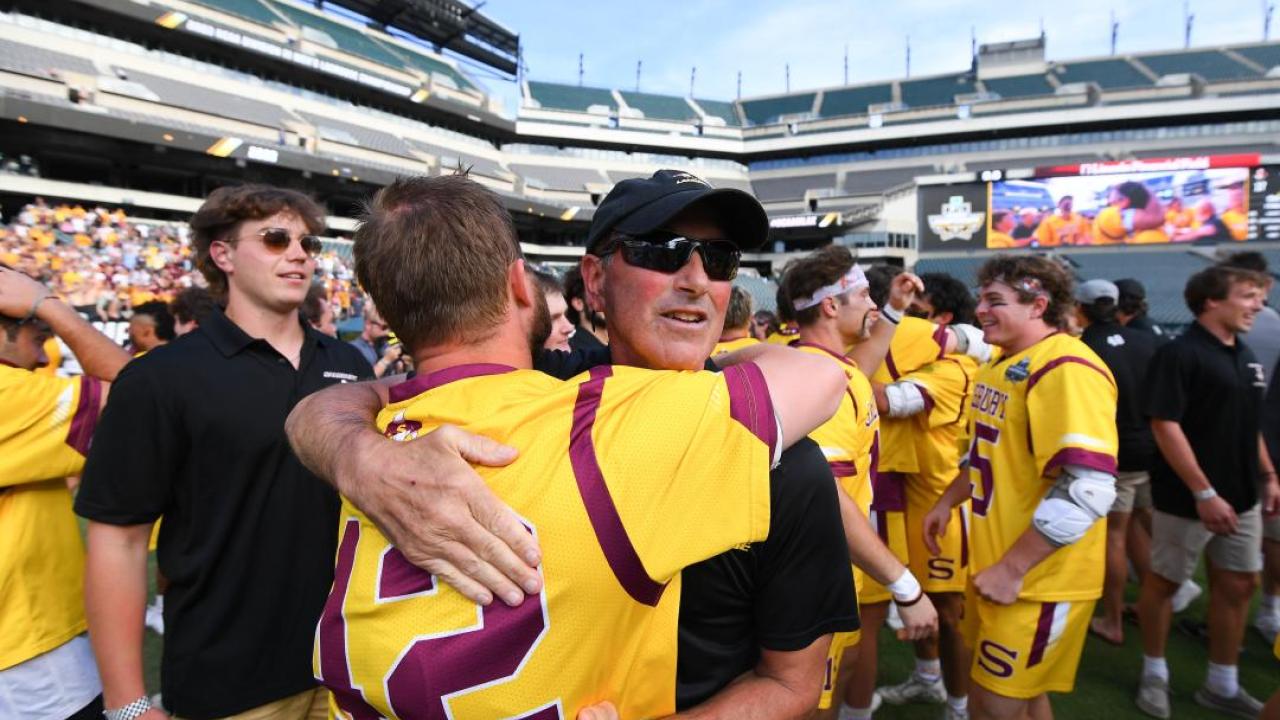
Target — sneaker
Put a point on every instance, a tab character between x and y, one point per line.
893	620
1268	625
915	690
1153	696
154	619
1185	595
1243	705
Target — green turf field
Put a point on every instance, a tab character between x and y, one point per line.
1104	687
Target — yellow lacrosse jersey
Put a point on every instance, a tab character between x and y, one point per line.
850	439
1050	405
1237	222
916	343
729	346
946	385
46	424
1057	230
625	476
784	336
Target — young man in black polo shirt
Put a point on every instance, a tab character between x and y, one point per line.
1127	353
1204	396
248	536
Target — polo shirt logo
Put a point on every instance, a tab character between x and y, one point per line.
1259	375
1115	340
340	376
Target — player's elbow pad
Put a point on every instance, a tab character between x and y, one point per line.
970	341
1079	498
905	399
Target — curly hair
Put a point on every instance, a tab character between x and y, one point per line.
1031	276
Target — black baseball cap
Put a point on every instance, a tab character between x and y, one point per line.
1131	288
641	205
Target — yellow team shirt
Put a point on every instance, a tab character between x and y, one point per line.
784	336
729	346
916	343
1180	218
850	439
1050	405
1057	230
1109	229
940	430
1237	222
625	476
997	240
45	427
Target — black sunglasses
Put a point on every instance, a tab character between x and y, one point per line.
278	239
666	252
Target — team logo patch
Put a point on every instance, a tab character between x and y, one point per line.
1019	372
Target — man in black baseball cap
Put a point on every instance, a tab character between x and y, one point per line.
661	253
1131	308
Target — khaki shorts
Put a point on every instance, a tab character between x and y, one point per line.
1129	485
1177	542
309	705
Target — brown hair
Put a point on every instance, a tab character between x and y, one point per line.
222	212
811	273
193	303
738	314
1032	275
433	253
312	307
1214	283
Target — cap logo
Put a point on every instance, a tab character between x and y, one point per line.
684	177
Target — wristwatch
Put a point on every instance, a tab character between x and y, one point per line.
1206	494
131	711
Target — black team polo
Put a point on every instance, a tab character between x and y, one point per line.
1214	392
1127	353
194	431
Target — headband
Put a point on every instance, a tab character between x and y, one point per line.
855	278
1028	285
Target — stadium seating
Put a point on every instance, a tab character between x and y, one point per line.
764	293
434	67
209	101
357	135
935	91
1108	74
1019	86
250	10
854	100
768	110
874	182
1208	64
555	96
790	188
557	178
39	62
660	107
338	36
1268	56
451	159
721	109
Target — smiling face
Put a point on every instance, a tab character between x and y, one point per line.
1005	320
262	277
855	315
561	328
1237	311
657	320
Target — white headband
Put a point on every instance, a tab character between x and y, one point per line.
855	278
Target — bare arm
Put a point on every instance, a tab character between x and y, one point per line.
423	495
782	685
939	516
1001	583
1270	485
115	590
805	387
1216	514
98	355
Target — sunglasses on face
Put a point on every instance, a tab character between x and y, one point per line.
667	252
277	240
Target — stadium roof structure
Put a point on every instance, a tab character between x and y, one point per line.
448	24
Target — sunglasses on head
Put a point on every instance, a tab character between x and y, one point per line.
666	252
278	239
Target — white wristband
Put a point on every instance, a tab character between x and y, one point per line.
893	316
1206	494
906	588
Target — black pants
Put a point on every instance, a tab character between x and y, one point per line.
92	711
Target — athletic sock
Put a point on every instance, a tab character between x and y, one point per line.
1269	604
958	705
1155	667
853	713
1222	680
158	603
929	671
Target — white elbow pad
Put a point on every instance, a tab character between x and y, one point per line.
1077	500
969	341
905	399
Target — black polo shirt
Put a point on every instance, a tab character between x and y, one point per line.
194	431
779	594
1127	353
1214	391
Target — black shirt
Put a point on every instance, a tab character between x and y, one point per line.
1214	391
780	594
1127	353
584	339
1144	323
194	431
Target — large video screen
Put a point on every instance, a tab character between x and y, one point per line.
1178	200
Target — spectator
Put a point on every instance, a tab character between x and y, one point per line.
763	324
190	308
561	329
737	321
1131	309
317	311
151	326
591	330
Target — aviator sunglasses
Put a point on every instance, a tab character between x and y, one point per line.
277	240
667	252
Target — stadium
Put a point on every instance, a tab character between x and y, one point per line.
144	107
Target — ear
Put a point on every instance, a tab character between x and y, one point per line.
593	280
1038	306
221	254
520	283
830	308
944	318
